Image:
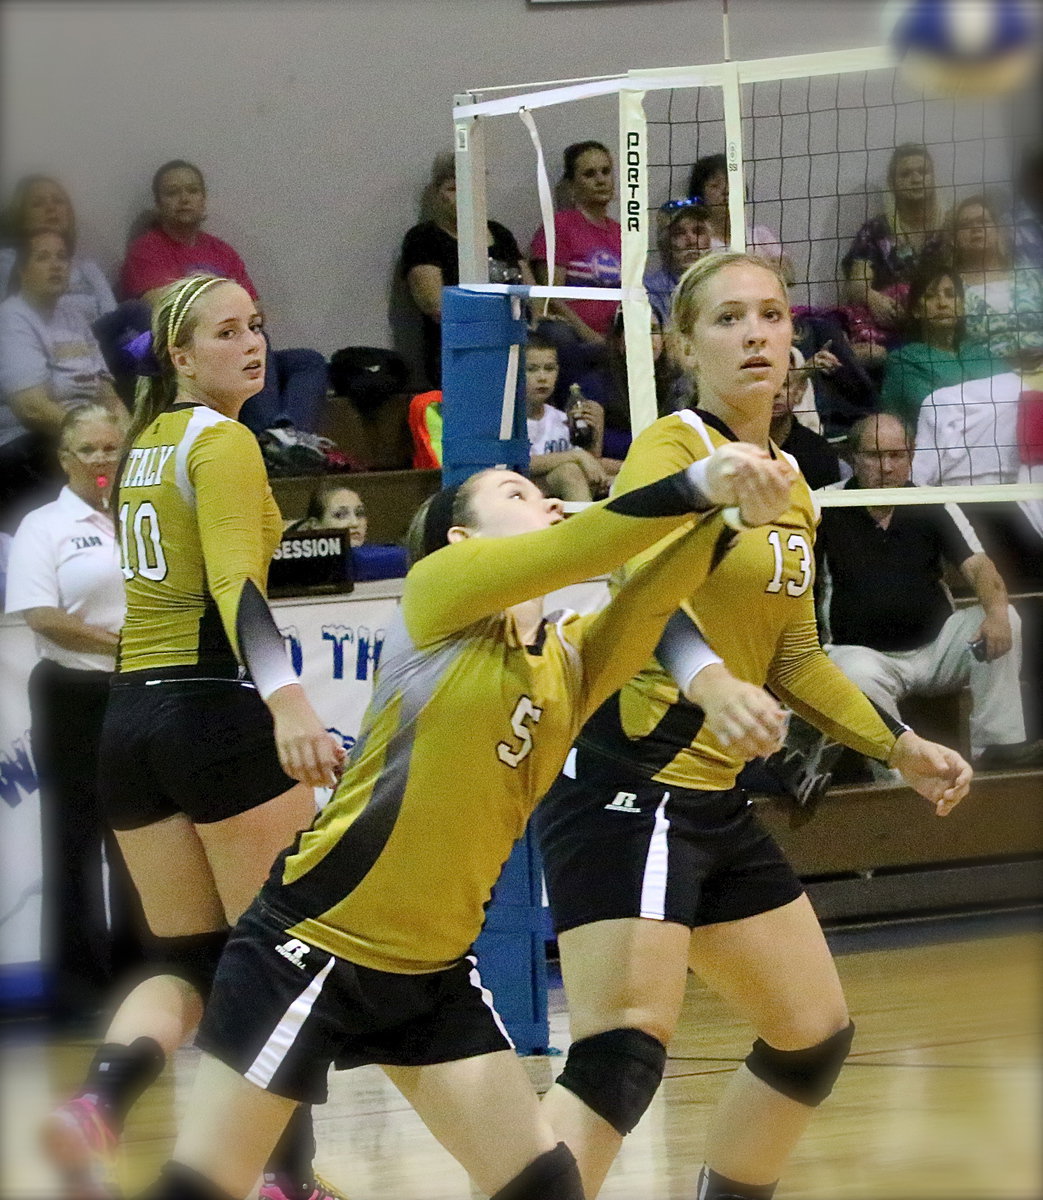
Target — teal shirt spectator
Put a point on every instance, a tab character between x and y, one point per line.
1006	315
915	370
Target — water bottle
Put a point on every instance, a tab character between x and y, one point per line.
582	429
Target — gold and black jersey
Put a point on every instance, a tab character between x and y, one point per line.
756	611
468	727
198	526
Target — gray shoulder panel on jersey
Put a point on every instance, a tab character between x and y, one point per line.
696	422
557	620
414	675
201	418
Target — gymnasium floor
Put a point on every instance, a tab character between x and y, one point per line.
941	1098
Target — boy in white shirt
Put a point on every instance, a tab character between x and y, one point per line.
556	464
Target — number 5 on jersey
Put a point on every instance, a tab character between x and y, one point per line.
149	561
524	713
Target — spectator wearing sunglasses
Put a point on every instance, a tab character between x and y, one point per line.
684	235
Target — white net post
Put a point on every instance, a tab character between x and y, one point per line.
634	219
471	205
732	98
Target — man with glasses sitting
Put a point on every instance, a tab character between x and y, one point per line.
888	621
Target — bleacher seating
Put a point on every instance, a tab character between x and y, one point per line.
391	497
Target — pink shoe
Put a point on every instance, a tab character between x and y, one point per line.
321	1191
80	1143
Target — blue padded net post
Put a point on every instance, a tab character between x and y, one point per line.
483	425
483	381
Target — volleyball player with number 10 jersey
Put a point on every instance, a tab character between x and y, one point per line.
210	750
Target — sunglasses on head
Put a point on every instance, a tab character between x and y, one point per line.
672	206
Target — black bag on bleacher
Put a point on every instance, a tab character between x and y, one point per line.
368	375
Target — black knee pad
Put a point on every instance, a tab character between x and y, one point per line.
803	1075
552	1176
616	1074
193	959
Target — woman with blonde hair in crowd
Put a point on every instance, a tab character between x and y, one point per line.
210	749
39	203
890	247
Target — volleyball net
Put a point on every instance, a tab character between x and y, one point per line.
806	141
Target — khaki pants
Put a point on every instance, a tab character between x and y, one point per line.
945	665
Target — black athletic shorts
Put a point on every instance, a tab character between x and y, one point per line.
615	844
282	1011
205	748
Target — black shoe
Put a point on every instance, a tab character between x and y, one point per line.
1013	757
806	777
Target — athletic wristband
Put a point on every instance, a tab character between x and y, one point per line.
696	474
683	651
261	644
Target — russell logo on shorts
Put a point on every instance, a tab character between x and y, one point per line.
623	802
294	951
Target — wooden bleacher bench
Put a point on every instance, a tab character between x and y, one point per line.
391	497
391	490
878	851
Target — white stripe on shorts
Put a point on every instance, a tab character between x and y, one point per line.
285	1033
487	998
653	881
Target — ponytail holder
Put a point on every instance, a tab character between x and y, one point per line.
140	352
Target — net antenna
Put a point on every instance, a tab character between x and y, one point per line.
806	140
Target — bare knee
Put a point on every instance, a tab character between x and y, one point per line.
798	1028
587	1020
567	482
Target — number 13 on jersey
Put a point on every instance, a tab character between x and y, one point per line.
798	543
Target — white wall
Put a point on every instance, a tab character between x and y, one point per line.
315	121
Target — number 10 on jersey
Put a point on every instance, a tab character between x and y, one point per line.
149	561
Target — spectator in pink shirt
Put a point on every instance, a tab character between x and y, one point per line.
588	250
177	246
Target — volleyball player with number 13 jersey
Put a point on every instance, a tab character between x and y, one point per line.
654	860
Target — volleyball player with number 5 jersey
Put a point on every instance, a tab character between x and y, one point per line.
654	861
210	750
357	948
